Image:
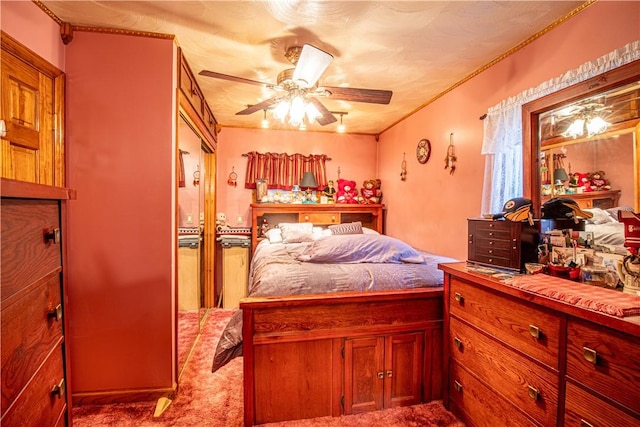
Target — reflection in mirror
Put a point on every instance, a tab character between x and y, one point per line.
582	142
190	240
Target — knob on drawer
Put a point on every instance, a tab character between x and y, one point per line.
306	217
56	313
58	389
52	235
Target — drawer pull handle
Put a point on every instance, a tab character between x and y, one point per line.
590	355
53	235
458	297
380	375
491	234
533	392
389	374
457	386
534	331
585	423
56	313
306	217
333	218
58	389
457	342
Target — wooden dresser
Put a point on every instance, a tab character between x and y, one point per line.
592	199
516	358
34	356
502	243
371	216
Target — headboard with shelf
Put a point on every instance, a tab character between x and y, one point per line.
371	216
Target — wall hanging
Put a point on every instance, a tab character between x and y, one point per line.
450	160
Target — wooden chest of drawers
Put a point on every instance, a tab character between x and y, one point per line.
34	386
502	243
514	358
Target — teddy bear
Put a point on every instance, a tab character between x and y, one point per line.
598	182
369	192
347	191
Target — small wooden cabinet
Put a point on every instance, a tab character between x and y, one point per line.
235	274
514	358
502	243
34	357
382	372
371	216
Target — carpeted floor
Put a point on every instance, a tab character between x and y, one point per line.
215	399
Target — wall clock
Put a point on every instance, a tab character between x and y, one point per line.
423	151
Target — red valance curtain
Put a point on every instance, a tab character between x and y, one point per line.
282	171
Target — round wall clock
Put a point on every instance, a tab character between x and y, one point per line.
423	151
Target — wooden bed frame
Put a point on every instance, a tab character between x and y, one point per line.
327	355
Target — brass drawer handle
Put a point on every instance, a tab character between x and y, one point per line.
306	217
590	355
457	342
333	218
534	331
380	375
56	313
457	386
584	423
389	374
533	392
458	297
53	235
58	389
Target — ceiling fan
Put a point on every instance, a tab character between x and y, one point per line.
299	87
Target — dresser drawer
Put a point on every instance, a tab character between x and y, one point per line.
605	360
530	387
320	218
582	409
43	402
27	251
31	326
530	329
478	404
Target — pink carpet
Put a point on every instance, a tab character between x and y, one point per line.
215	399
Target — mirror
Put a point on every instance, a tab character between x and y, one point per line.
556	155
191	225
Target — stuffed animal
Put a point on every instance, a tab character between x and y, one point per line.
580	180
369	193
598	182
347	191
221	221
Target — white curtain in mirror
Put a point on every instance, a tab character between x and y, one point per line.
502	141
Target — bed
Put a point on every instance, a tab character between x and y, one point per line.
337	324
608	231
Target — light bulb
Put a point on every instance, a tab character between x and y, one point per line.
596	125
576	129
281	110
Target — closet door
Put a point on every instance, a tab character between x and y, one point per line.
31	108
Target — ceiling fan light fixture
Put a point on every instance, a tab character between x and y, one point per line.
341	127
265	123
576	129
281	110
312	112
596	125
310	66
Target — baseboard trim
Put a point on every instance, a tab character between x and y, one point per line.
122	396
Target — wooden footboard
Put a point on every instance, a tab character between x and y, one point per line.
320	355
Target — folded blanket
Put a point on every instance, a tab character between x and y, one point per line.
606	301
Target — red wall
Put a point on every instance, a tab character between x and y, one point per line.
120	152
355	155
429	209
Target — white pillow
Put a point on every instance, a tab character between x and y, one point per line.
274	235
366	230
293	232
600	216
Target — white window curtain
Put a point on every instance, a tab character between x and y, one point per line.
502	141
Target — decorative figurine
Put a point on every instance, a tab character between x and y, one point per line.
330	192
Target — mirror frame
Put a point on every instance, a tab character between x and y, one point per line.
531	111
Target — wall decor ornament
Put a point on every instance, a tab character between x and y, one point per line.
423	151
450	160
403	168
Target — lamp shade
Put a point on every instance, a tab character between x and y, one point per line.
308	180
560	175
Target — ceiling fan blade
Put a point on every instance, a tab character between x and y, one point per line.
232	78
259	106
326	116
372	96
311	65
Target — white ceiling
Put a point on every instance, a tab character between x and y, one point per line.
417	49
